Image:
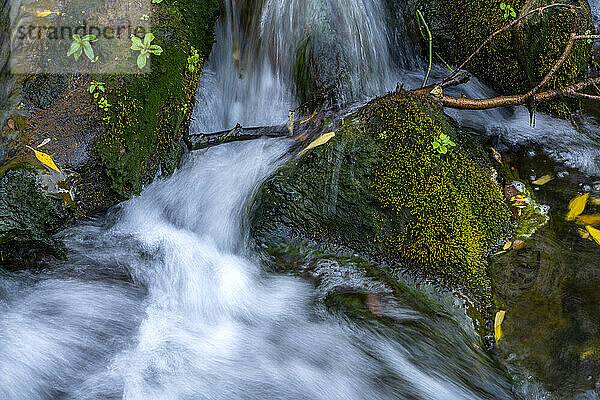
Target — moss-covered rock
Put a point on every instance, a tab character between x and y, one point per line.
516	60
28	219
117	150
150	111
379	188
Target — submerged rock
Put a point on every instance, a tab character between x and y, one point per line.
380	189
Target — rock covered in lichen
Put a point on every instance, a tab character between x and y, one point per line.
379	188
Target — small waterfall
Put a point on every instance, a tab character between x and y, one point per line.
251	75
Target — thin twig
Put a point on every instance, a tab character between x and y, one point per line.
430	39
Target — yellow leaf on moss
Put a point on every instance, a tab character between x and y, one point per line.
576	206
594	233
318	142
45	159
497	323
593	219
543	180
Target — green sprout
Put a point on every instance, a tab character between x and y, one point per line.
193	59
508	10
145	48
588	32
442	143
96	85
103	103
82	45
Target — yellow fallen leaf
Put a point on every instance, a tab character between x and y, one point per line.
497	323
45	159
507	245
291	123
594	233
543	180
309	118
576	206
45	13
593	219
318	142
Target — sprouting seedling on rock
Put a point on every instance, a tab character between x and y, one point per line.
443	143
508	10
82	45
145	48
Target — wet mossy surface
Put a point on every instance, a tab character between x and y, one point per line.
28	220
380	189
518	59
150	111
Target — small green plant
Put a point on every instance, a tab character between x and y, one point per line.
588	32
508	10
82	45
193	59
442	143
96	87
103	103
145	48
157	1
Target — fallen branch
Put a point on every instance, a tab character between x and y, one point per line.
197	141
465	103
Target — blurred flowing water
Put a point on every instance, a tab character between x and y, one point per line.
164	298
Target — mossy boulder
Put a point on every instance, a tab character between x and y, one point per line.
117	150
28	219
381	190
150	111
516	60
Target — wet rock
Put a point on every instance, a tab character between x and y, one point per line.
379	189
28	220
516	60
42	90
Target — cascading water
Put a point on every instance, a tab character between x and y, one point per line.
250	77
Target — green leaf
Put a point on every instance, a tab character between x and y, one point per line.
156	49
502	6
148	39
89	38
513	13
141	60
136	43
89	52
74	47
78	53
443	149
77	38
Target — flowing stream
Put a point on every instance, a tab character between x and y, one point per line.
163	297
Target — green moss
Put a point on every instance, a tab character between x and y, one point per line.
497	64
379	188
544	40
516	60
28	218
150	111
452	212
